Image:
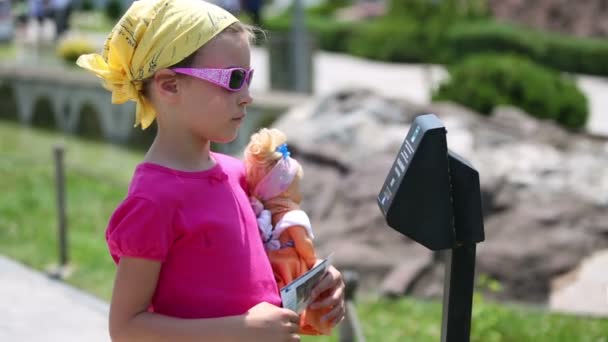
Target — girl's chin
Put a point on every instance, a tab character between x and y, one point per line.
225	140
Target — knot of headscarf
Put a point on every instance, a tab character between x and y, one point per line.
152	35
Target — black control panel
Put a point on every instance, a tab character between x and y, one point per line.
418	196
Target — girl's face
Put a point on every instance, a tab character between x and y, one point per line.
208	111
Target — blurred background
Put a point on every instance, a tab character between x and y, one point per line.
521	87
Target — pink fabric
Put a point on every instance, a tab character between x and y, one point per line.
200	225
277	180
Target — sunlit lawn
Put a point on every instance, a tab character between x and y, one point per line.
97	177
8	51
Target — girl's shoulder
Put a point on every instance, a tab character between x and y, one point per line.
160	184
228	162
233	167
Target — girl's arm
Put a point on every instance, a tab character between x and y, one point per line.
130	321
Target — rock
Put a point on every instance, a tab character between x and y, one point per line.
528	245
339	127
544	192
416	259
514	122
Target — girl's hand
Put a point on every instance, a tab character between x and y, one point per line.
266	322
329	293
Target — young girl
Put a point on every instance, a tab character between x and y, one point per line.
191	264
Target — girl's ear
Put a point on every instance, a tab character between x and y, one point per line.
165	82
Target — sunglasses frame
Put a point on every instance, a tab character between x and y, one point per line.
219	77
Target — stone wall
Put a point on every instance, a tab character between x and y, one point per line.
75	102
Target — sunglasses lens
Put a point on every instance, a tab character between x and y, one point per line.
237	78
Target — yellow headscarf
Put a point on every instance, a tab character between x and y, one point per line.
152	35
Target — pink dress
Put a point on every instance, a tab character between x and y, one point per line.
200	225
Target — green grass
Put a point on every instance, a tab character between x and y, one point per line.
97	177
8	51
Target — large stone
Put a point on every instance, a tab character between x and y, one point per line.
401	279
544	191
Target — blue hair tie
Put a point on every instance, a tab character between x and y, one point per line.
284	151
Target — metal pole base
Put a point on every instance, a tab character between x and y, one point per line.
458	294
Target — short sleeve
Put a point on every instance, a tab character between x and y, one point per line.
243	182
140	228
237	166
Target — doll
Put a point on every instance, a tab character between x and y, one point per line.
273	178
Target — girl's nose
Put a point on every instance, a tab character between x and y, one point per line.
245	99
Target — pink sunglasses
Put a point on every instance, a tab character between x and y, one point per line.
232	79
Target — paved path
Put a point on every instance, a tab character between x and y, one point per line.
34	307
585	289
333	71
596	90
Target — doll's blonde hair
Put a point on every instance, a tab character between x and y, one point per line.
261	154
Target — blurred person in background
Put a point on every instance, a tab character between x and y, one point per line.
38	10
20	11
61	11
6	21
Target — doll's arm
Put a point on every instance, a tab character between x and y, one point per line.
303	244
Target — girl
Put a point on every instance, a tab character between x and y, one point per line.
191	264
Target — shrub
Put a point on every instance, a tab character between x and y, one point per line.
43	114
386	40
412	34
113	10
398	40
9	109
89	125
87	6
572	54
70	49
141	140
466	39
327	8
486	81
445	9
330	35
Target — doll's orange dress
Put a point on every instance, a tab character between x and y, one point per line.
292	252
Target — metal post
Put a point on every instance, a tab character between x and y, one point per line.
299	48
458	294
58	152
350	328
